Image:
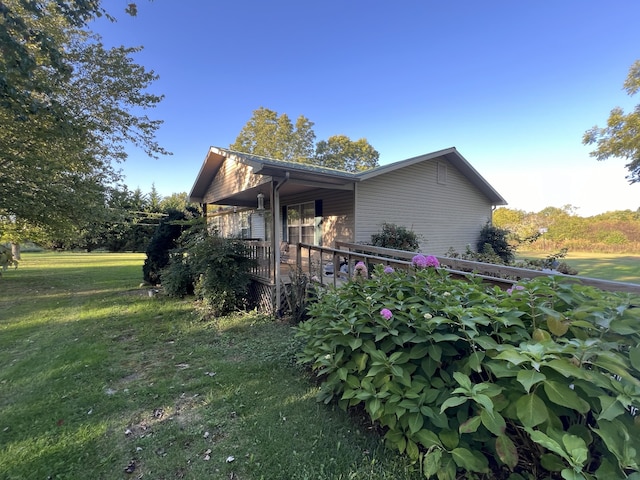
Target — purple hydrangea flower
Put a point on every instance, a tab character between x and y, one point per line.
419	261
432	261
386	313
388	269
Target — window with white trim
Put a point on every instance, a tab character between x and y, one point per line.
301	223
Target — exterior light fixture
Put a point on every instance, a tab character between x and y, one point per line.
261	201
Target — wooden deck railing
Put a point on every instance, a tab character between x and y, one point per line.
262	254
314	260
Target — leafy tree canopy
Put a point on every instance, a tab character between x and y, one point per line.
339	151
271	135
621	137
66	112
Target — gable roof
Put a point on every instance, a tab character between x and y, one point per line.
455	158
327	176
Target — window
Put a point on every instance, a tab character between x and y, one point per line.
301	223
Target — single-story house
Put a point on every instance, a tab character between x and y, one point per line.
439	196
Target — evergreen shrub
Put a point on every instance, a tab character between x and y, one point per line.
494	239
539	381
162	242
397	237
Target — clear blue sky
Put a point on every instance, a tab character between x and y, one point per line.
512	84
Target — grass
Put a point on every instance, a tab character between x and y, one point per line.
97	377
606	266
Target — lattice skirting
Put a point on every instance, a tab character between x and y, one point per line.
261	296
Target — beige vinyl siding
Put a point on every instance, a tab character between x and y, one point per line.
337	213
444	213
233	177
338	219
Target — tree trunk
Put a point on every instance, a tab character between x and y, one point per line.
15	250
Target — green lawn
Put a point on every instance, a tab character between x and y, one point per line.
607	266
97	376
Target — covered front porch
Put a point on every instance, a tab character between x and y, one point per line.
272	204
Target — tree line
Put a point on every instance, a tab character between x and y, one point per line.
124	222
555	228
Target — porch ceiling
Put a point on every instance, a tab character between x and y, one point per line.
249	197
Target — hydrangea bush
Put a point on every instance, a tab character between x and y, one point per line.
539	381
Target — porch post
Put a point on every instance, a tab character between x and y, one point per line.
277	231
276	235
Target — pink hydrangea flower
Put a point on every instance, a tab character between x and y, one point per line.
360	270
515	287
386	313
432	261
421	261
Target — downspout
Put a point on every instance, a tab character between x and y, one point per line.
277	234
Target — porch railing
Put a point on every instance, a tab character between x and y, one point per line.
262	253
339	261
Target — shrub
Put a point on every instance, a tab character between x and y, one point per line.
397	237
162	242
216	269
539	381
496	238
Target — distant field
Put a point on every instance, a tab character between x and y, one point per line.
608	266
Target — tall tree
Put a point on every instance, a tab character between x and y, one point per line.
65	112
271	135
621	137
340	152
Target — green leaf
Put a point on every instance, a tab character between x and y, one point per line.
552	462
470	461
448	469
507	451
569	474
374	406
611	408
634	357
493	422
412	450
531	410
475	361
427	438
435	352
463	380
576	448
450	438
418	351
483	400
355	343
512	356
432	462
566	368
528	378
415	422
502	369
471	425
561	394
360	360
452	402
547	442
